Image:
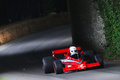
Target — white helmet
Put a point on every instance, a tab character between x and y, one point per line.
73	50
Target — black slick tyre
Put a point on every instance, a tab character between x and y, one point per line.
88	55
58	67
99	58
48	64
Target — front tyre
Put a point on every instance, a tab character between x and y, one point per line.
58	67
98	58
48	64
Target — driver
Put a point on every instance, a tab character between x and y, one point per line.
73	52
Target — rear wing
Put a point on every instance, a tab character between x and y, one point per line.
63	51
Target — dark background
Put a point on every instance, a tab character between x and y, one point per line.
17	10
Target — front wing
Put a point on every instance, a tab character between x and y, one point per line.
69	66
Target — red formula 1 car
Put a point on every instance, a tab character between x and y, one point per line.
82	60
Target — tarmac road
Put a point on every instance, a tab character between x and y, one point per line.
21	59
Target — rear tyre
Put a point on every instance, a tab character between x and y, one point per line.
88	55
98	58
58	67
48	64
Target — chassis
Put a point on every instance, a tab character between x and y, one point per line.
84	60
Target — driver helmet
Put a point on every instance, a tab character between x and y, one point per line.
73	50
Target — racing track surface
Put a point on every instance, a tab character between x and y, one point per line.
21	59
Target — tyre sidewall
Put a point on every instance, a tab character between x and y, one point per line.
48	64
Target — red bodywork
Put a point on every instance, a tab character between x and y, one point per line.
74	64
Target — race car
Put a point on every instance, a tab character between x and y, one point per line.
74	59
